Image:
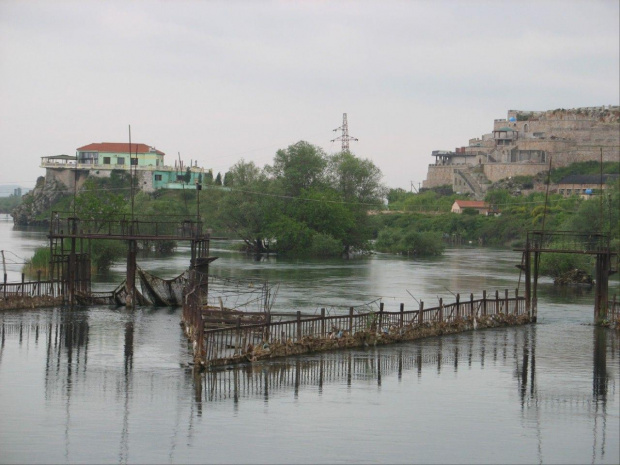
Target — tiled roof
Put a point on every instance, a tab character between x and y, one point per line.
118	147
471	204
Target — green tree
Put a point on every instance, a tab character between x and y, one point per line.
356	179
218	179
299	166
97	206
246	209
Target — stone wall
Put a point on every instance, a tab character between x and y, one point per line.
567	136
66	177
497	171
439	175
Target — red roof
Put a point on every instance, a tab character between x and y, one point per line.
118	147
471	204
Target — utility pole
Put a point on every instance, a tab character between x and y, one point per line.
345	134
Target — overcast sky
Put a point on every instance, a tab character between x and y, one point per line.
219	81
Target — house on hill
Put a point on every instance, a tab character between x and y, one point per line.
100	159
584	185
118	156
482	208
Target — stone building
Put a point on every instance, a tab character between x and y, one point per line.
524	143
585	185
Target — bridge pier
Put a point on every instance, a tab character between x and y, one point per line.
130	283
601	288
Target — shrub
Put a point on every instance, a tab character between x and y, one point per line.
39	262
557	264
324	245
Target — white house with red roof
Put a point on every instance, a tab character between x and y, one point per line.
117	155
101	159
483	208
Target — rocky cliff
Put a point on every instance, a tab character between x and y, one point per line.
38	201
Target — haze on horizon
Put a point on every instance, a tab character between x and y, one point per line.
219	81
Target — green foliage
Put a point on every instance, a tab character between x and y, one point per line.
209	178
7	204
103	254
218	179
324	245
299	166
525	182
187	177
38	262
585	167
305	203
98	204
228	179
426	201
409	243
556	264
355	179
291	236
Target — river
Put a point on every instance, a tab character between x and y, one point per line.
108	385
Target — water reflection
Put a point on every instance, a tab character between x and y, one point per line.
69	373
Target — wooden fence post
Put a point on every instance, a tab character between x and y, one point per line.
23	284
238	342
402	315
322	322
471	305
516	301
441	309
484	303
4	288
496	302
298	325
421	313
381	316
458	305
506	306
267	331
350	321
39	282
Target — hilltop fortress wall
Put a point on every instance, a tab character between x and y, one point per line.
523	143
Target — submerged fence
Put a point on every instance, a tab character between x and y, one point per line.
217	346
24	288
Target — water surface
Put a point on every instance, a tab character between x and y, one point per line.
107	385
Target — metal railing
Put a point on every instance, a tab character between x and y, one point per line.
568	241
62	224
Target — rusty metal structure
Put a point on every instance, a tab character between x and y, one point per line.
70	241
570	242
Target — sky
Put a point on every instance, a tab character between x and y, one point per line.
220	81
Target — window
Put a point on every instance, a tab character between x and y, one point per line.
106	160
120	161
134	161
158	177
